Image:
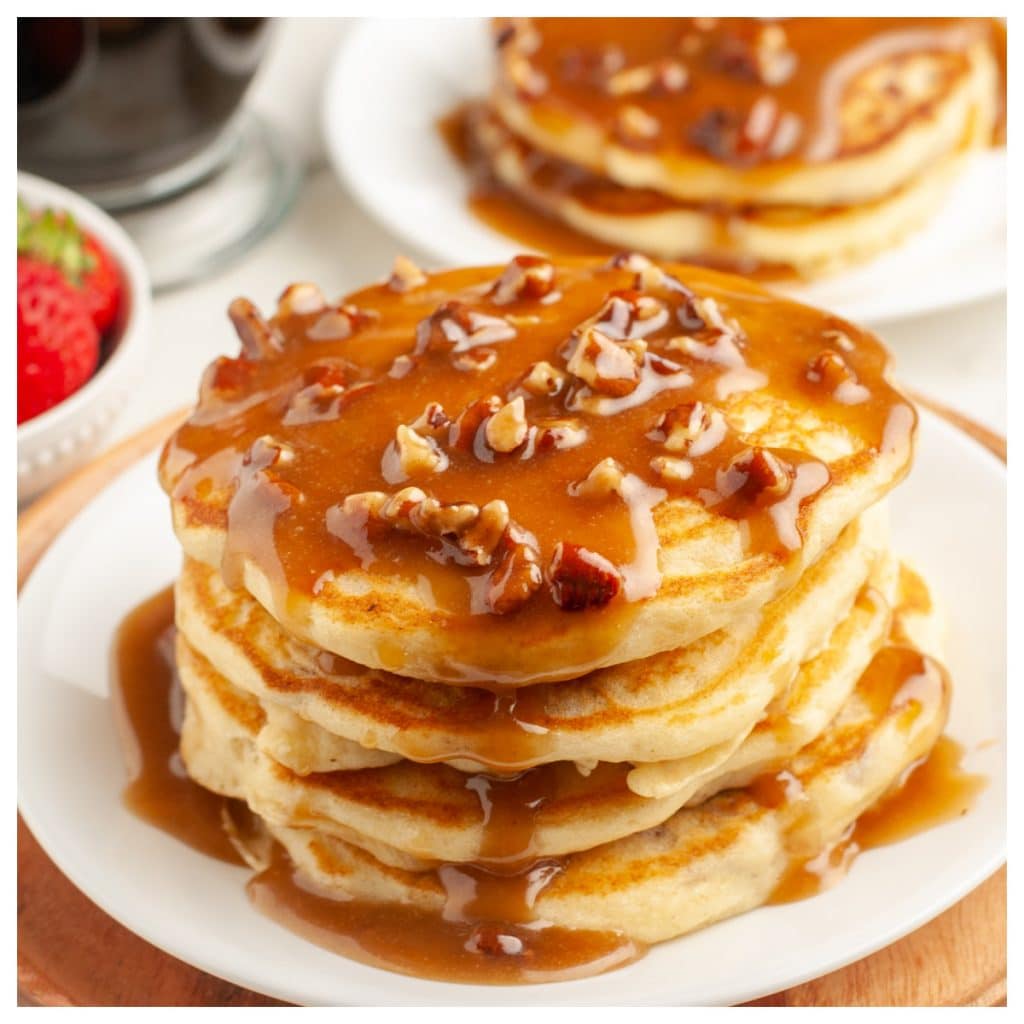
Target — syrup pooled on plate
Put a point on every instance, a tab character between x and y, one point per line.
487	933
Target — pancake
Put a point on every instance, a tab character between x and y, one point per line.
704	863
676	704
812	241
620	459
803	112
435	813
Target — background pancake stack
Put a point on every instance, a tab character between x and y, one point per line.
781	145
540	612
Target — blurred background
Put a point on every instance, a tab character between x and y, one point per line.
203	138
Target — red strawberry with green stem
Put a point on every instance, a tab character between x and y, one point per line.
55	238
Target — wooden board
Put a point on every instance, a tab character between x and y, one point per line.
70	953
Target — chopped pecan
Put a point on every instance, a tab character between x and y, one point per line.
592	66
260	340
324	393
691	427
529	82
337	324
525	277
411	454
405	275
635	127
758	475
828	368
331	375
831	371
634	262
227	378
544	380
481	536
579	578
401	366
672	469
455	327
839	338
462	432
662	77
608	367
775	60
758	55
301	300
560	435
476	360
433	421
517	576
507	428
604	479
630	314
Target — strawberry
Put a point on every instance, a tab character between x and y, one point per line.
55	238
102	285
58	344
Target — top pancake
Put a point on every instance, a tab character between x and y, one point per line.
593	462
804	111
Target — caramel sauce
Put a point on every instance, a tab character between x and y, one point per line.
794	71
487	932
538	230
932	791
309	414
455	948
148	706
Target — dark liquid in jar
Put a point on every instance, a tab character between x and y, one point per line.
114	100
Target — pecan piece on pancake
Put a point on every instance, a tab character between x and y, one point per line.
301	299
758	475
529	82
579	578
517	575
455	327
635	127
405	275
606	366
832	372
659	78
259	338
671	469
525	277
544	380
411	454
693	428
604	479
560	435
433	421
506	429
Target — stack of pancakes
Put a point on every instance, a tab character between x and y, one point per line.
802	144
569	581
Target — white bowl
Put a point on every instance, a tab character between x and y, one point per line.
59	440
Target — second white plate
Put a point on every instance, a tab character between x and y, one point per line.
392	80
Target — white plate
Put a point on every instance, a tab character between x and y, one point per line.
393	79
949	518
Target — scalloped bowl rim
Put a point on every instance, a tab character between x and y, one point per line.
134	333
